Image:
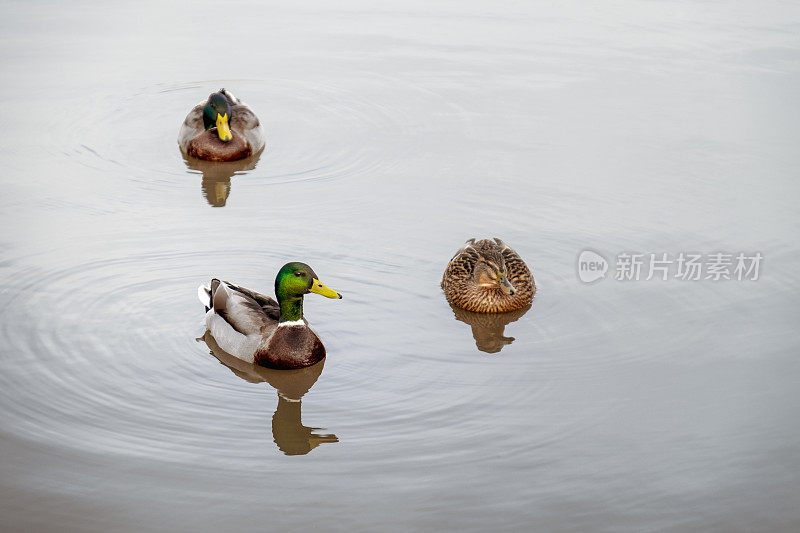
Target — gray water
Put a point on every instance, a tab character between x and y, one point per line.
394	133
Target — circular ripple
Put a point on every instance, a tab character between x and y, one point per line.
104	358
317	132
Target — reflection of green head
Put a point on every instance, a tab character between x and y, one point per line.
292	282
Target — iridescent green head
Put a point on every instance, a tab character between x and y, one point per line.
292	282
217	114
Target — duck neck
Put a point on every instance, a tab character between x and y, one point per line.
291	309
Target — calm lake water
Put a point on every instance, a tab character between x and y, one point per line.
394	133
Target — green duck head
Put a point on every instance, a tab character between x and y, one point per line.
217	114
292	282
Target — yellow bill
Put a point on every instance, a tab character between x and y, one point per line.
223	129
318	287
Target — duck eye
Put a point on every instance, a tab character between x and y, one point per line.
298	274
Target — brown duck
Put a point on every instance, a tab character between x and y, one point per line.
488	276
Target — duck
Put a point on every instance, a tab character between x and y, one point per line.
257	329
488	276
221	128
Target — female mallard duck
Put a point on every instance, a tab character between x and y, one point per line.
221	128
257	329
488	277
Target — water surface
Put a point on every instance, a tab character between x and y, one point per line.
394	133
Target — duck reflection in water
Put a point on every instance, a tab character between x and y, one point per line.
288	431
488	329
217	176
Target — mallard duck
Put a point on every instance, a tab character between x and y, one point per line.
257	329
487	276
221	128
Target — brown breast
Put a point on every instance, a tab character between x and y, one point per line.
208	146
291	347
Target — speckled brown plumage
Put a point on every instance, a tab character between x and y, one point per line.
463	290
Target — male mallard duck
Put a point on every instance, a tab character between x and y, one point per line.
257	329
488	277
221	128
